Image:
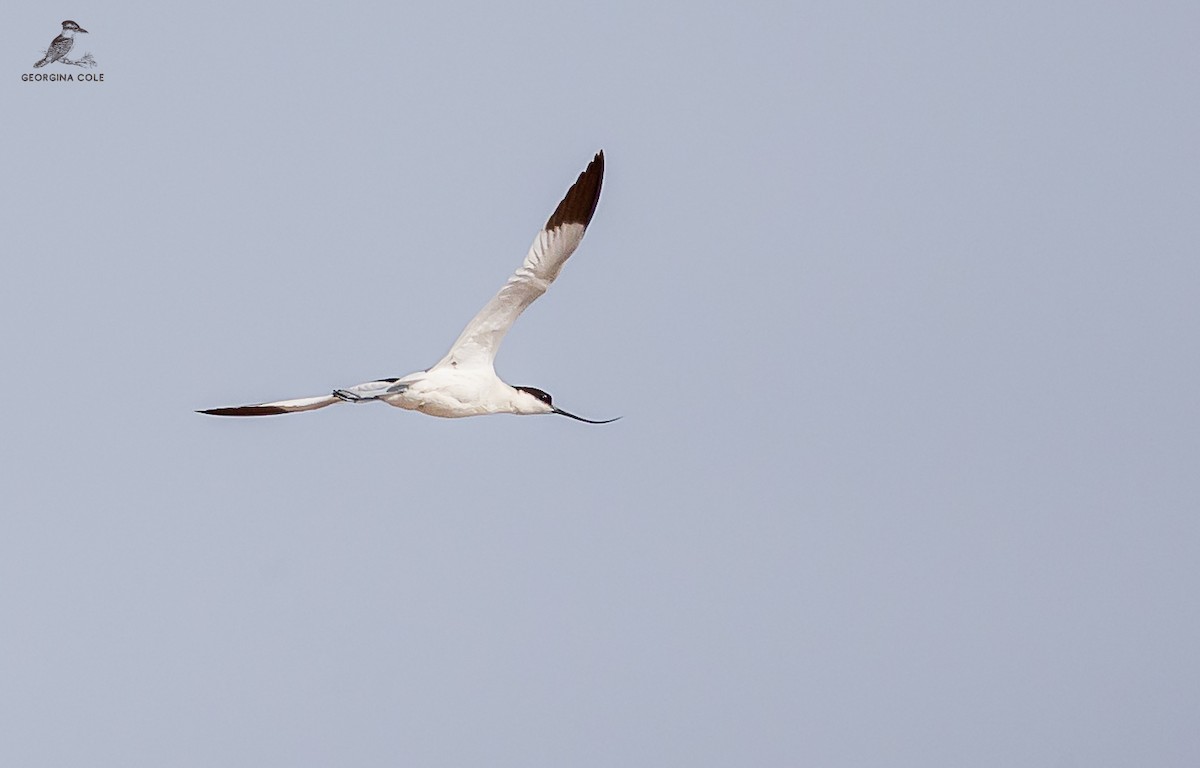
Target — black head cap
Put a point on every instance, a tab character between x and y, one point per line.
538	393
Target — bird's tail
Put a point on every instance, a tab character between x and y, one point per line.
45	60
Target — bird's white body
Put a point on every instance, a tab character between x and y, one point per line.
464	382
451	394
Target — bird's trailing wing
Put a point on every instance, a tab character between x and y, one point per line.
275	408
479	341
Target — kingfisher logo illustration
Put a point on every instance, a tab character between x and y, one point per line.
59	52
62	45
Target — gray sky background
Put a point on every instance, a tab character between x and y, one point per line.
898	302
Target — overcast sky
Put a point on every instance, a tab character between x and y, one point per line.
899	303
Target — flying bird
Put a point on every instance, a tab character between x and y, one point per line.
61	45
464	382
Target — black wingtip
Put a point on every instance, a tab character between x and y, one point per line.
581	199
247	410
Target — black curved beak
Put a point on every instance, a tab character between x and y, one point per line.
561	412
81	29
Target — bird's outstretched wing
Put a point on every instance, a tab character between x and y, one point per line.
277	407
479	341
